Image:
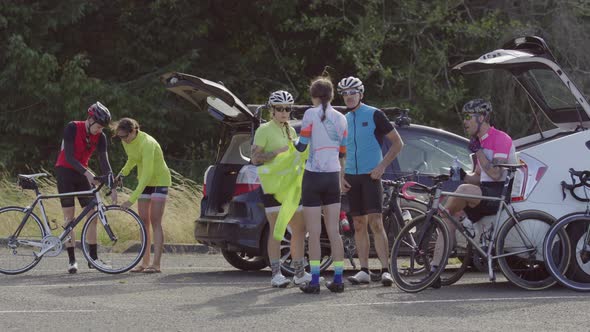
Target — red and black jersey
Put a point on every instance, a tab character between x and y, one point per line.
77	148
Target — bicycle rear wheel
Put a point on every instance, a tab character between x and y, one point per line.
17	253
411	257
528	269
572	279
126	249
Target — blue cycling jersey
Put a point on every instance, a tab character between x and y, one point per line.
366	127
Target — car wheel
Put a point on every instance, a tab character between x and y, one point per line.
243	261
287	260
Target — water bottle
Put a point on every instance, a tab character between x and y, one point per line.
468	226
344	224
456	170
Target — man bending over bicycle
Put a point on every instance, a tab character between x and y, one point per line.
81	139
491	147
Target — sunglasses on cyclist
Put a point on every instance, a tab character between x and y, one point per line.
351	92
469	116
282	109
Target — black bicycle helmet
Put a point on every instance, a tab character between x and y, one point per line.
100	114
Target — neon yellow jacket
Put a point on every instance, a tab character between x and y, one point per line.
282	177
145	153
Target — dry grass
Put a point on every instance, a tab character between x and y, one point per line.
182	208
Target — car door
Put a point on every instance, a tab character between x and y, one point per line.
237	120
531	62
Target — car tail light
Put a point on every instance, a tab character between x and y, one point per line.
247	180
527	177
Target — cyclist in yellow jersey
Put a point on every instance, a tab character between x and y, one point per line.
271	139
151	192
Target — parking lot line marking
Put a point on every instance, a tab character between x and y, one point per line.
484	299
47	311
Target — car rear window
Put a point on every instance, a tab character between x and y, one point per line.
238	151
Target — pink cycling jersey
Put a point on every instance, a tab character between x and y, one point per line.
496	144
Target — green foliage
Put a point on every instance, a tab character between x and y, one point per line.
59	57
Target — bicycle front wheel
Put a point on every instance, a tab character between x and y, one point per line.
522	242
18	249
121	242
574	278
412	254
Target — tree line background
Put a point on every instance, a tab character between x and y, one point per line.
58	57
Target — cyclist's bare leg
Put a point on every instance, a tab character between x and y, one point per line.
380	237
331	214
69	214
143	209
313	224
92	230
273	246
361	239
455	205
297	225
156	213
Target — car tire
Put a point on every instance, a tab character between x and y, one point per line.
244	262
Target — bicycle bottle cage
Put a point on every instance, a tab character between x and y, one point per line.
27	184
583	177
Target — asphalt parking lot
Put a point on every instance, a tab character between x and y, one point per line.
202	292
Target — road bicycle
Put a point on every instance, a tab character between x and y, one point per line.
516	243
577	227
25	238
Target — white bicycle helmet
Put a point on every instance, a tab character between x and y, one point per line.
479	106
351	82
280	97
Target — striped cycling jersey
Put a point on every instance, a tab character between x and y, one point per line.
326	139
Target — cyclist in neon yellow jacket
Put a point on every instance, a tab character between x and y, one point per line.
151	192
272	140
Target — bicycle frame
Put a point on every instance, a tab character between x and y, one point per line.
435	207
96	202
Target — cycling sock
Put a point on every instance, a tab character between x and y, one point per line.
384	269
299	269
315	272
338	268
275	267
71	255
92	249
433	268
365	269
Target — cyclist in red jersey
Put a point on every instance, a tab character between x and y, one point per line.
81	139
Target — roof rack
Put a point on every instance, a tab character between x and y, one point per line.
399	115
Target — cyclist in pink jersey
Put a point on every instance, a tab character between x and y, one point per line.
490	146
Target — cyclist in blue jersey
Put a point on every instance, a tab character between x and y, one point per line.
365	165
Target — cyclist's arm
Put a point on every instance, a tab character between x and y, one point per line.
259	157
147	159
305	133
488	166
385	128
69	138
103	156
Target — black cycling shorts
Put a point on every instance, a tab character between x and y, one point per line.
365	195
486	207
320	188
269	201
69	180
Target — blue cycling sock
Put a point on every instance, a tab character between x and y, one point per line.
315	272
338	268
